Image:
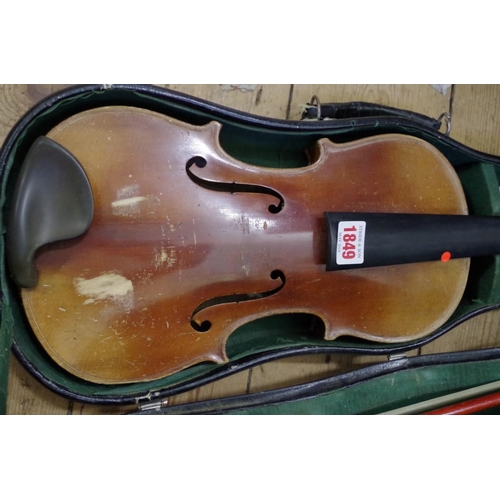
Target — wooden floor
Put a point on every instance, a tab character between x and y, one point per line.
475	121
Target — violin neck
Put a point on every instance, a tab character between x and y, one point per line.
374	239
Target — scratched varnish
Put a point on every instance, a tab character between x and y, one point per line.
474	121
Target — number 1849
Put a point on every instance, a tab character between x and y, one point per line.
350	242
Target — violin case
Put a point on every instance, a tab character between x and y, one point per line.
401	381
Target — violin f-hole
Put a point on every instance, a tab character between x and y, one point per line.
232	187
235	298
199	161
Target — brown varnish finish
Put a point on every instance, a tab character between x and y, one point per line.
181	253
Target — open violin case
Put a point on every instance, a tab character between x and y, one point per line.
401	381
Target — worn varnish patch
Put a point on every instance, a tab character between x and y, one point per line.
110	286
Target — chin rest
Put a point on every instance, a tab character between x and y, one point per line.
52	201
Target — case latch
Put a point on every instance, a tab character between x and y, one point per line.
147	403
315	110
394	357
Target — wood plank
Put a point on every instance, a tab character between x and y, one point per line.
476	117
477	333
28	397
15	100
263	100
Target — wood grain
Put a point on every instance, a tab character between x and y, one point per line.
474	121
476	117
130	320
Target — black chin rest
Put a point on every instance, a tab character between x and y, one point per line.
52	201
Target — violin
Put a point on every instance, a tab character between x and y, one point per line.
140	245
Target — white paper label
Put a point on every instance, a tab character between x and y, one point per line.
351	242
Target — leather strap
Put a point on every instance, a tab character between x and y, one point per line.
346	110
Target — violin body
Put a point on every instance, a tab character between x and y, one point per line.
188	244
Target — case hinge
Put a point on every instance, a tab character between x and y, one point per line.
147	403
153	405
394	357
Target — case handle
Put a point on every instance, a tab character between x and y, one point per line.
345	110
